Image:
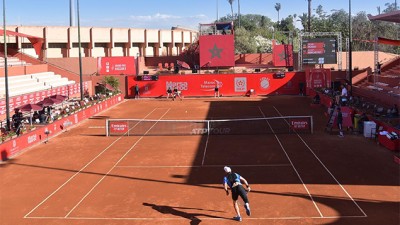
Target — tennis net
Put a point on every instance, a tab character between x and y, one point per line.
270	125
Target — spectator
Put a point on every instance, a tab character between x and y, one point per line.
394	111
343	95
361	121
340	122
17	121
378	68
316	99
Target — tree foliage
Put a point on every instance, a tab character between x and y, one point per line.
256	30
114	82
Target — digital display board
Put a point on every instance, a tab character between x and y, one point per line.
147	77
319	51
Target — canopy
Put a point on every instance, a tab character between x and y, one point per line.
37	42
30	107
388	41
393	16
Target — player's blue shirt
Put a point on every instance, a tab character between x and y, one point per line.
236	180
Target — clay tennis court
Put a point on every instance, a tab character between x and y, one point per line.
85	177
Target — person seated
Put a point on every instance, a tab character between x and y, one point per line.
35	117
394	111
316	99
17	120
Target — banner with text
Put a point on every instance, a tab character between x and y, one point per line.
116	66
229	84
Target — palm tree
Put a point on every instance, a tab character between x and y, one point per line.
309	16
278	7
231	3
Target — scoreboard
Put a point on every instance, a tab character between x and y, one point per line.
319	51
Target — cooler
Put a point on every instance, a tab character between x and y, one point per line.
356	119
369	129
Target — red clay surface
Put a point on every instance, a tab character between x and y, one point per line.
83	177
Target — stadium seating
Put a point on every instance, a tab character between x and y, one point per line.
13	61
23	84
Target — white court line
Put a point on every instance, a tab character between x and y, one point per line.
105	175
298	175
73	176
202	218
206	166
97	127
327	170
205	149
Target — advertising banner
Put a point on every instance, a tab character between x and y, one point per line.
119	127
217	51
318	78
300	124
228	84
116	66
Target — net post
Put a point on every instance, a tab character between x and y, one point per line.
208	127
107	134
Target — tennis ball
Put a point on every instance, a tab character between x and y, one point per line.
185	111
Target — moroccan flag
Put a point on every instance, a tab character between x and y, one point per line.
217	50
283	55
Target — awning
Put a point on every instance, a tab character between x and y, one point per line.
37	42
388	41
393	16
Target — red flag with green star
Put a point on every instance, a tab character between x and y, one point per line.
217	51
283	55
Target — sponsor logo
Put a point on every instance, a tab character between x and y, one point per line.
119	127
210	85
264	83
224	130
240	84
299	124
182	86
32	139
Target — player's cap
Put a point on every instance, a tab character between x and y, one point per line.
227	169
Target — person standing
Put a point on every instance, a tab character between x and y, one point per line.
343	95
233	181
169	92
136	91
340	121
216	90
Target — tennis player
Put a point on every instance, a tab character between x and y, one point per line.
177	93
169	93
233	181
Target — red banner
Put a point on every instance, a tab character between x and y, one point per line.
217	50
229	84
318	78
116	66
283	55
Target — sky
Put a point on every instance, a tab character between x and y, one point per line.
163	14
